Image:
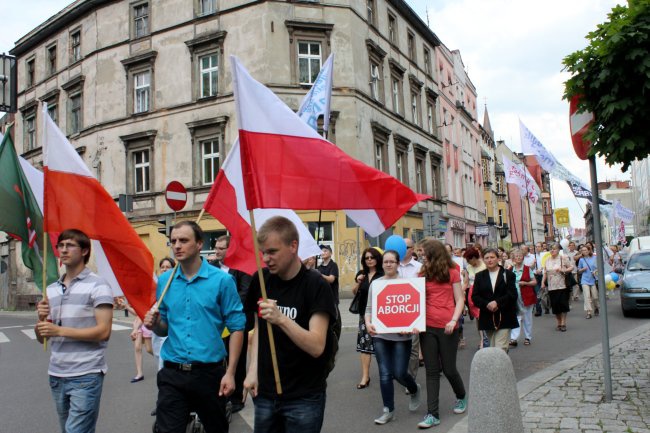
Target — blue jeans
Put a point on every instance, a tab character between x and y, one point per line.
393	361
77	401
299	415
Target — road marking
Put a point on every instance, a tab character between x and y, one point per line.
116	327
30	333
3	338
11	327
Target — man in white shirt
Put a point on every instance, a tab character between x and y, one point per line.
410	268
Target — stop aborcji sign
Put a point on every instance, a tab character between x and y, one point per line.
398	305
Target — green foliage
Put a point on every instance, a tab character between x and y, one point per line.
613	75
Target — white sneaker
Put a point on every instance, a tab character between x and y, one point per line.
414	404
385	417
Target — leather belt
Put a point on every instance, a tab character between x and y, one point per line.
192	365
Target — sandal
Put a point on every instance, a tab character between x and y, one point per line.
563	328
513	343
363	385
559	327
526	342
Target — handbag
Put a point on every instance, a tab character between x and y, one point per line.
569	280
354	305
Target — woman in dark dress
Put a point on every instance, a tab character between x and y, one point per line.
371	269
495	294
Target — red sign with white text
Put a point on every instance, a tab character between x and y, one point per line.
398	305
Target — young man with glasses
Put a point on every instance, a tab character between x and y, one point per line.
76	319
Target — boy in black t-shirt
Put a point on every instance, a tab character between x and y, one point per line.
300	306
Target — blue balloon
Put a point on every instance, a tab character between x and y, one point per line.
396	243
615	277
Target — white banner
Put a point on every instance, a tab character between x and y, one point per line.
622	212
520	176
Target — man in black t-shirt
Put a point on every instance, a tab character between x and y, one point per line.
300	307
330	272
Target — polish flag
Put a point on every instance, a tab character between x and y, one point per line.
227	203
287	165
73	198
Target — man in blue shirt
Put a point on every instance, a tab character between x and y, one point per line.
200	302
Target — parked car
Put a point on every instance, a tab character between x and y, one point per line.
637	244
635	289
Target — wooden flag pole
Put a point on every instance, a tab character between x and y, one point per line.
260	274
44	277
171	277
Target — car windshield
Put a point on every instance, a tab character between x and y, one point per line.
639	262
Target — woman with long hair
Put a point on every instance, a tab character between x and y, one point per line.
371	269
495	295
555	270
393	351
445	302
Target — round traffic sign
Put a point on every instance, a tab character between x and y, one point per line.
398	305
176	195
579	122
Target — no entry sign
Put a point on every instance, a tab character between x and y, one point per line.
398	305
176	195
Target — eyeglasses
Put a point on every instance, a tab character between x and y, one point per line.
369	258
390	262
66	246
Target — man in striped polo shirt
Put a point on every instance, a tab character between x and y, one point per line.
76	319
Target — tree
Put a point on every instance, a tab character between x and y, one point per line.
613	76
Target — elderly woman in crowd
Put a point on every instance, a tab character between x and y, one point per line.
555	269
526	298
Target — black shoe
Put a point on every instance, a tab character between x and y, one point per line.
596	312
547	312
236	407
538	314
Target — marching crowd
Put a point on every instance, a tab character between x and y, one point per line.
220	334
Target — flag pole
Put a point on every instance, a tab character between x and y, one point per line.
44	277
274	358
171	277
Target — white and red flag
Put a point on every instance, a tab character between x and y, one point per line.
73	198
227	203
287	165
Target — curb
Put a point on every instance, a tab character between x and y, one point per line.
534	381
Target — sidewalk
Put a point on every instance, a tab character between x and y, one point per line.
568	397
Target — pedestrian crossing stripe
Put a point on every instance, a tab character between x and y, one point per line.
3	338
30	333
117	327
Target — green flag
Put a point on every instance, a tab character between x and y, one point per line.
20	216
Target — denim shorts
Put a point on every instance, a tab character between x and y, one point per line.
299	415
77	401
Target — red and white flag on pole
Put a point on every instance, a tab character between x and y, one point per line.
287	165
73	198
227	203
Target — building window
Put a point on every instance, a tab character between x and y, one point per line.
75	46
75	113
410	44
141	82
141	171
206	7
206	51
420	173
436	187
309	44
380	138
142	91
209	75
140	20
401	159
53	112
30	131
51	60
139	161
371	12
207	147
30	72
500	217
210	160
376	59
427	61
397	97
392	28
415	106
430	117
309	61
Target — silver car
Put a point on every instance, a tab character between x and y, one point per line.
635	290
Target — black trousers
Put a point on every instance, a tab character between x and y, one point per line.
181	392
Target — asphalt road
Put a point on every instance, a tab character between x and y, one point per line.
26	405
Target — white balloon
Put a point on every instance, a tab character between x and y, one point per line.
564	243
608	278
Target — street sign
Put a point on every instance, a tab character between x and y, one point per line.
176	195
398	305
580	123
430	223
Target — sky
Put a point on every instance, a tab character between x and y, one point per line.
512	51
